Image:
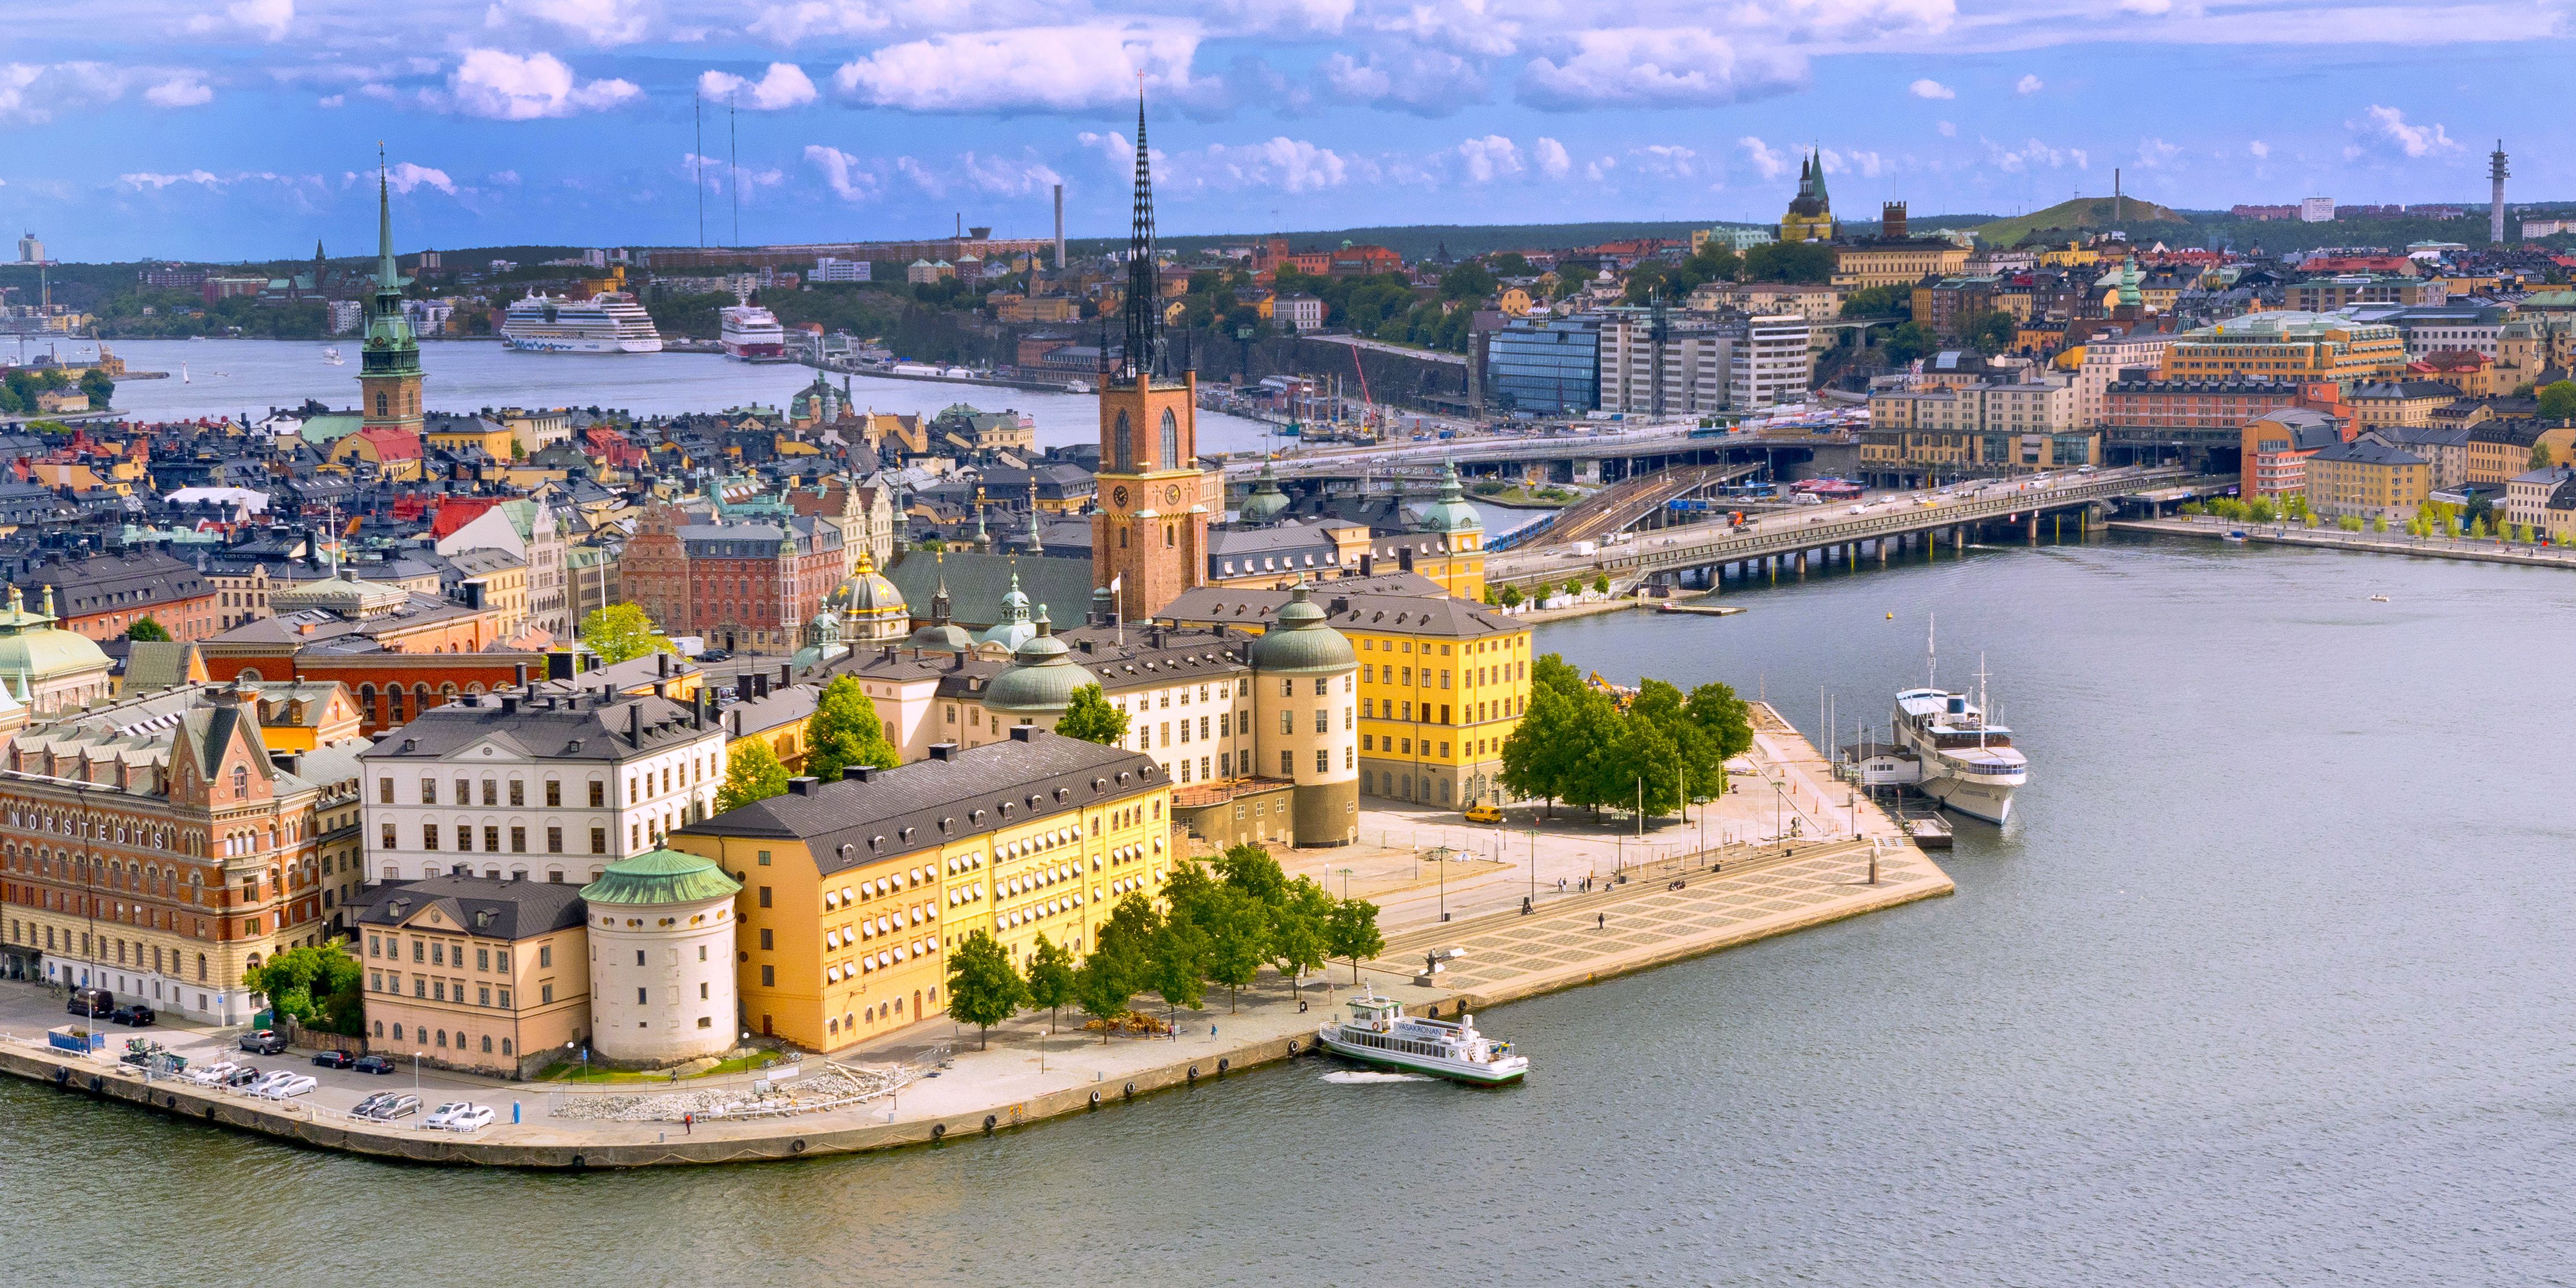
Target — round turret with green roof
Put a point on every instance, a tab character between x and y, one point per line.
1301	642
658	877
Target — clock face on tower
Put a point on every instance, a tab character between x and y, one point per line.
1118	496
1172	494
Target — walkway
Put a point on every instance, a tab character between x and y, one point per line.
2486	550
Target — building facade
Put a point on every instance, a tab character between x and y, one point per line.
662	969
478	973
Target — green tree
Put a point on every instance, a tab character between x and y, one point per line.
318	985
1176	958
100	389
845	731
1508	264
1907	341
1468	281
1235	929
752	773
1298	922
1051	978
1601	584
146	630
1990	332
1879	302
2558	400
930	545
1090	717
1119	963
1350	931
621	633
2378	522
983	989
1790	262
1250	869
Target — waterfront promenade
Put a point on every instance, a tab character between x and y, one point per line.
1669	907
2474	549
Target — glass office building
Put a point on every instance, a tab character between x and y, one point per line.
1545	368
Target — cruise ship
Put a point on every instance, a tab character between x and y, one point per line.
1380	1033
610	322
752	334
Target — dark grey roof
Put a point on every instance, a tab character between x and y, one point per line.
2365	452
914	807
977	582
1404	603
2513	433
484	907
549	729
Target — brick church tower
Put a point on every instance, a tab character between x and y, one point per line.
389	366
1149	535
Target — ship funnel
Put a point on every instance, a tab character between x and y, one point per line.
1958	705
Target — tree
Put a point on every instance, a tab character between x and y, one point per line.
147	630
1990	332
752	773
1090	717
983	989
845	732
1118	964
1350	931
1051	978
1790	262
1298	919
1250	869
1468	281
100	389
1176	959
2378	522
1907	341
1601	584
1508	264
1234	928
2558	400
2539	458
1879	302
317	985
930	545
621	633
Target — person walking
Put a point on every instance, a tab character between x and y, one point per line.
1601	921
688	1124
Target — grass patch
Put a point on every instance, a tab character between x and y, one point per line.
574	1071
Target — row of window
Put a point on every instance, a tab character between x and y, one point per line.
441	1038
23	932
427	989
429	839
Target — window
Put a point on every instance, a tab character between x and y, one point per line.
518	792
1287	722
764	896
384	791
428	835
599	840
1287	764
428	791
545	994
518	840
546	958
554	793
766	943
769	977
1323	720
390	843
598	796
554	840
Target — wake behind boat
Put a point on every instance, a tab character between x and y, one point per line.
1380	1033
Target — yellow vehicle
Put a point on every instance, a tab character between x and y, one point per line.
1481	813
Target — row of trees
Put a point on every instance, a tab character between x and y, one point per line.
1579	746
1215	925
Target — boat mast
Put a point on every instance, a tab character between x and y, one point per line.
1931	654
1983	715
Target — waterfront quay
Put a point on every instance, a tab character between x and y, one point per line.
2473	549
1786	848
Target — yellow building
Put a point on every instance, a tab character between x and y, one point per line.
2284	346
2367	480
1810	217
2071	255
467	434
1896	261
2384	404
855	891
476	973
1771	299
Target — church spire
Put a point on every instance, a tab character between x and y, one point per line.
386	278
1144	277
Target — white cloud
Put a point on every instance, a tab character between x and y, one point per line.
1006	176
789	23
2154	153
502	178
843	173
784	86
179	91
2258	149
1767	161
1948	129
507	87
1428	82
1061	69
332	100
2029	84
1666	160
403	177
1489	158
601	22
1656	67
2390	124
1845	20
922	176
1930	88
712	172
1866	164
2034	155
1276	164
1552	159
1467	26
269	18
1117	150
156	182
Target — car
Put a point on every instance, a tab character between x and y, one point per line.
209	1075
1860	509
469	1118
91	1002
334	1060
264	1042
715	655
367	1108
1483	813
261	1085
373	1064
446	1113
242	1076
293	1084
137	1016
400	1106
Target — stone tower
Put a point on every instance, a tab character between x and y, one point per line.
1150	534
389	367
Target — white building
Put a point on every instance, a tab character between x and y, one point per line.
1770	363
550	787
662	959
1693	360
2104	357
347	316
2316	210
1300	312
828	269
529	530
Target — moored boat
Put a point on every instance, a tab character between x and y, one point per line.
1378	1032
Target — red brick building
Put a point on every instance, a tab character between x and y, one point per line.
736	585
2210	405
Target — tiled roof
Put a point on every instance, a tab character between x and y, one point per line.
481	906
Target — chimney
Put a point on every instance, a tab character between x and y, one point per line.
943	751
661	663
1404	558
1059	226
1368	565
521	670
858	773
1024	733
784	674
801	786
635	724
509	704
698	708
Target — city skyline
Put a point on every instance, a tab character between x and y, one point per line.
238	130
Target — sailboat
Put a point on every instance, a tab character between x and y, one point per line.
332	355
183	375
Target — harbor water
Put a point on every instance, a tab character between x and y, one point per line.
2269	981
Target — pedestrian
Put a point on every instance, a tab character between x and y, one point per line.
688	1124
1601	921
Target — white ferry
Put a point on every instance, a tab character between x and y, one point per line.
752	334
609	322
1380	1033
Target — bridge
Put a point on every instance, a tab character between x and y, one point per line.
1800	541
1616	509
1602	455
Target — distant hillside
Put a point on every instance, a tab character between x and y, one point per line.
1419	241
2082	212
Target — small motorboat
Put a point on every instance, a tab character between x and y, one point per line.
2236	535
2379	599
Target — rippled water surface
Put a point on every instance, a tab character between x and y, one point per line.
2269	982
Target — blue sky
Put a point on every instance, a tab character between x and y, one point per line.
247	128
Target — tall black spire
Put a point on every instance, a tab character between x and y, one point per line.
1144	277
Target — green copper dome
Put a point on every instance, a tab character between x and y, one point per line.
661	877
1300	641
1451	513
1267	501
1041	678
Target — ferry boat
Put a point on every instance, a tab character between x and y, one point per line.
1378	1032
609	322
1959	757
752	334
332	356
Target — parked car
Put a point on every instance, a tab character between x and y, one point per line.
210	1075
137	1016
91	1001
1483	813
264	1042
446	1113
374	1064
265	1081
367	1108
243	1076
715	655
396	1105
293	1084
470	1118
335	1060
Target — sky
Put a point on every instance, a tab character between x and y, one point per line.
239	129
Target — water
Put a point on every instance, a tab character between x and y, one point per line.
237	377
2268	982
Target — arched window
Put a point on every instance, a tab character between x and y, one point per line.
241	781
380	402
1171	441
1123	445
